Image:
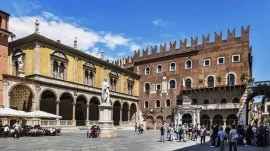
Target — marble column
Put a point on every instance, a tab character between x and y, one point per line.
87	114
155	125
225	125
198	117
178	118
57	107
193	118
120	121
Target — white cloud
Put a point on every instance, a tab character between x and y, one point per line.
55	28
112	41
161	23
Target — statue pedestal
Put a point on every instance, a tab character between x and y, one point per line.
21	74
105	121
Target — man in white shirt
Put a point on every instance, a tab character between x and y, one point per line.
233	139
6	130
17	126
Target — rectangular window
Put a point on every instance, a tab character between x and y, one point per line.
158	87
220	60
236	58
206	62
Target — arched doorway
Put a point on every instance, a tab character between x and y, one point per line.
133	111
205	121
48	101
116	112
94	109
80	110
125	112
232	119
66	106
159	121
21	98
186	118
169	119
218	120
149	122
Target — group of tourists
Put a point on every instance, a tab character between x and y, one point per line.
16	130
184	132
234	135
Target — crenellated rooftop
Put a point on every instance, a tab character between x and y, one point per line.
144	54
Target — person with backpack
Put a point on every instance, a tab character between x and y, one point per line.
233	136
162	133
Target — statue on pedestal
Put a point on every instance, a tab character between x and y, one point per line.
105	91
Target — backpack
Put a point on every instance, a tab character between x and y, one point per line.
162	129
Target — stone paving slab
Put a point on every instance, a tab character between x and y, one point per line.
125	141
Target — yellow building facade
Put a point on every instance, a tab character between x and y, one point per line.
44	74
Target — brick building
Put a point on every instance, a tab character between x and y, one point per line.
200	83
4	34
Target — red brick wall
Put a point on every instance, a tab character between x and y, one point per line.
3	62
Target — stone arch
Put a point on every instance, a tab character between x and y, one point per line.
149	122
218	119
232	119
159	121
205	121
48	99
223	101
125	109
133	111
80	110
20	97
186	118
116	112
169	119
94	109
235	100
66	106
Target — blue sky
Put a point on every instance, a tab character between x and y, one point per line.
119	27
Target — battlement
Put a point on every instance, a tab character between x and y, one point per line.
184	47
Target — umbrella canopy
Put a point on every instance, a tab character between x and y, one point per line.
8	112
43	114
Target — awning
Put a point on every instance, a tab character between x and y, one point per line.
8	112
43	114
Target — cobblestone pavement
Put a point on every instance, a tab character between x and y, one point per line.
125	141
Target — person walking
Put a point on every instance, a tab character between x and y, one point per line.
221	137
17	127
203	133
162	133
233	136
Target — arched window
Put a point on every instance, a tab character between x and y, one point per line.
113	80
146	105
188	64
206	101
147	88
147	70
235	100
172	84
223	101
89	73
59	65
168	103
130	84
188	83
231	79
172	66
61	71
55	69
157	103
159	68
210	81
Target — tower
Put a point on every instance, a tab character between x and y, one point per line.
4	34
